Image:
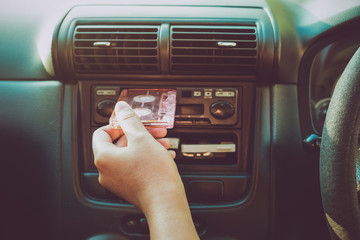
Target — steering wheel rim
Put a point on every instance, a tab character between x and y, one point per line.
338	155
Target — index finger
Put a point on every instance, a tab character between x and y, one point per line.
101	140
114	133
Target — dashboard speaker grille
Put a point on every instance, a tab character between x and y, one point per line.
229	50
116	49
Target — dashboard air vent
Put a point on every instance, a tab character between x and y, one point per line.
116	49
214	50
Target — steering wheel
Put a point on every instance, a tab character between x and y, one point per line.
339	150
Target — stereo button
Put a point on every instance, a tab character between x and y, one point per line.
197	93
222	109
208	154
174	143
208	94
188	154
225	94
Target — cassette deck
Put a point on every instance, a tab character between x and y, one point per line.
194	106
207	108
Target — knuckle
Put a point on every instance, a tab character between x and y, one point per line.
100	160
97	163
166	142
101	180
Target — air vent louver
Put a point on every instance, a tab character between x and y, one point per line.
116	49
214	50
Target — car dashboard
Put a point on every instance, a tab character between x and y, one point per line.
252	79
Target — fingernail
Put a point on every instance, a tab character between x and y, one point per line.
122	108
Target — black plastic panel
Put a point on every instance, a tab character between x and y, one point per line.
200	189
30	123
229	218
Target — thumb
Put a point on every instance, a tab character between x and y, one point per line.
129	121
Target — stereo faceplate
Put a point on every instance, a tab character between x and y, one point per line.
194	106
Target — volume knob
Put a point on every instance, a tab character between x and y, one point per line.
222	109
105	107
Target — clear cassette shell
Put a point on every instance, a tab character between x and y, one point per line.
155	107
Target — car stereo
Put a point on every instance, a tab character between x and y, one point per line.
216	110
194	106
209	136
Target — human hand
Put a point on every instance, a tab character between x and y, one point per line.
138	163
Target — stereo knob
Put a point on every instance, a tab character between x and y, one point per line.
105	107
222	109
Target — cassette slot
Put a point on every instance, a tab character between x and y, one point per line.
220	149
192	121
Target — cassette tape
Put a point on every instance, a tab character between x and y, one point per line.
155	107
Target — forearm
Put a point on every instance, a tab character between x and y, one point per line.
169	216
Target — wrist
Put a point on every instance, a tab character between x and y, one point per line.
167	194
168	214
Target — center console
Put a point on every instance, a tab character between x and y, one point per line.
210	138
217	59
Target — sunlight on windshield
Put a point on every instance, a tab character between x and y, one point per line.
323	9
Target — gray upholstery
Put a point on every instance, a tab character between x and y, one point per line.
338	155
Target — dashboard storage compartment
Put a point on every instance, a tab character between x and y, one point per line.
200	189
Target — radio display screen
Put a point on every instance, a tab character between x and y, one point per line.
189	109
